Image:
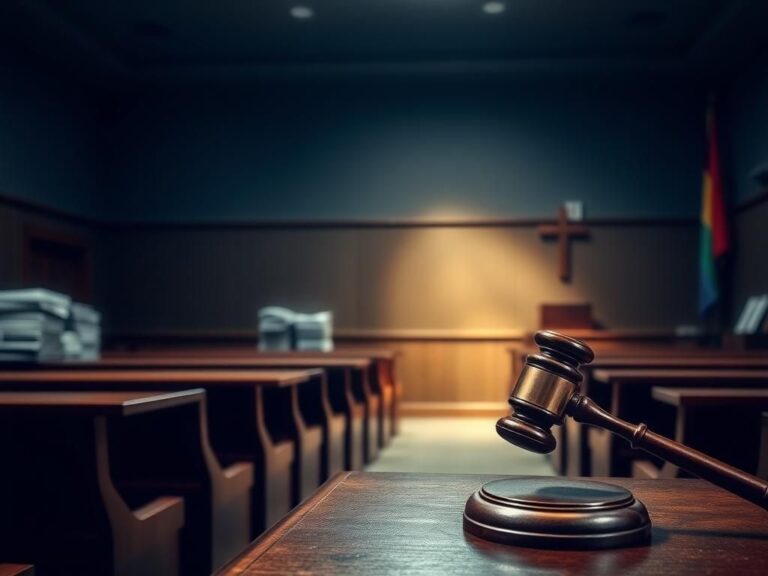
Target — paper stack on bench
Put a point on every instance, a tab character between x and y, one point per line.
276	328
284	329
314	331
83	336
32	322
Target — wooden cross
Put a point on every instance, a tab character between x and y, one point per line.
564	232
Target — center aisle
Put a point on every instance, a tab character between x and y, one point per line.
456	446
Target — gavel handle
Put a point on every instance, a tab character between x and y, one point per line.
747	486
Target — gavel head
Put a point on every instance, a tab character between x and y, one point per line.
540	397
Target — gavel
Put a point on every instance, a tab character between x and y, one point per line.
548	389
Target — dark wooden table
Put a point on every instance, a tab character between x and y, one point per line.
722	422
254	416
16	570
626	393
61	509
363	523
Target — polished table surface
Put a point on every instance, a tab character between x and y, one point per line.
367	523
16	570
45	373
98	403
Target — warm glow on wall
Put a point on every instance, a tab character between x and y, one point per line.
454	278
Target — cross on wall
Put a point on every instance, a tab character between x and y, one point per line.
564	231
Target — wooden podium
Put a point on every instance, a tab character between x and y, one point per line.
365	523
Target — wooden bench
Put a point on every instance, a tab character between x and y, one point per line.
383	378
722	422
347	379
577	458
60	507
412	523
571	456
254	417
349	394
390	384
314	395
626	393
357	387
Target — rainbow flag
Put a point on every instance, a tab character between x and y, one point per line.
713	240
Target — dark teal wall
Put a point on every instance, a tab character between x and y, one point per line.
745	124
494	145
49	138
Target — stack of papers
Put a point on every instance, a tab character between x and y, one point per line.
314	331
32	322
82	338
284	329
275	328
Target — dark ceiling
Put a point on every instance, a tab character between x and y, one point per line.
149	35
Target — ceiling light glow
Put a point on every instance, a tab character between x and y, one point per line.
302	12
494	8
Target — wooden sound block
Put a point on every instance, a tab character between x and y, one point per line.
539	512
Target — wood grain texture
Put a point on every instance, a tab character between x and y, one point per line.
16	570
133	371
412	524
98	403
220	359
391	279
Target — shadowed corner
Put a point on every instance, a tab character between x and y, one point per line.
566	562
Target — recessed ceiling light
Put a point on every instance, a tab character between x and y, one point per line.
494	8
302	12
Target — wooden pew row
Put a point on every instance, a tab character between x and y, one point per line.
572	457
627	394
349	392
254	417
383	376
61	509
381	380
722	422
